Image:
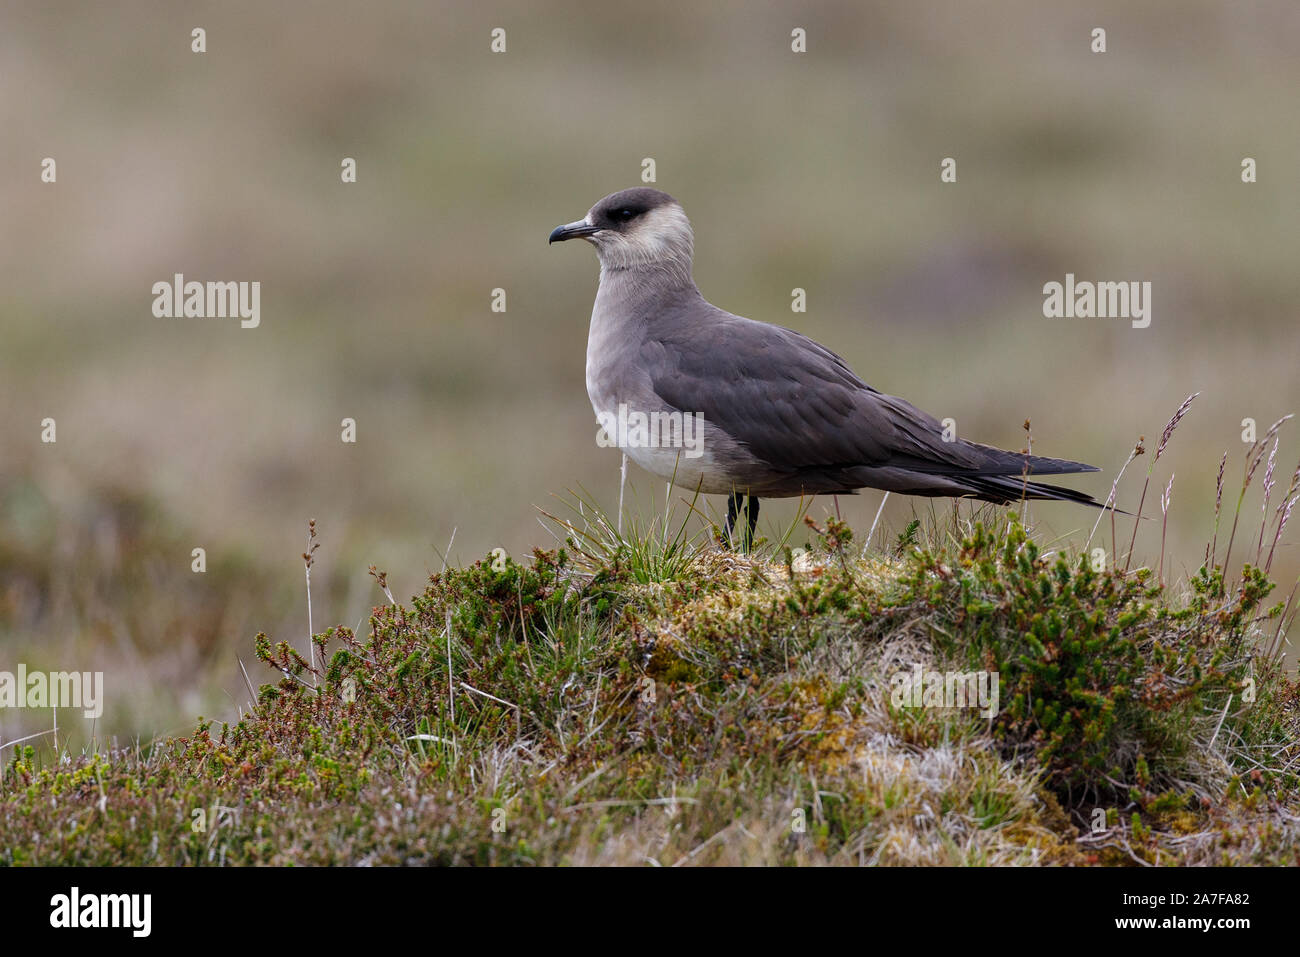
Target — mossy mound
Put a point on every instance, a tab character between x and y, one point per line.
739	711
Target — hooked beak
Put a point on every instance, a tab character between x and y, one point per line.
579	230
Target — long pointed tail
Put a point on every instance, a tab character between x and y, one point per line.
1005	489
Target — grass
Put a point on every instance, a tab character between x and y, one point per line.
650	698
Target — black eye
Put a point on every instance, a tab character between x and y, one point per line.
626	213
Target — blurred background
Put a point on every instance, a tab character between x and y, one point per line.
817	170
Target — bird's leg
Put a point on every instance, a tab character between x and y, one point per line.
735	504
733	509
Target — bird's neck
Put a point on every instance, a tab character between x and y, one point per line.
630	305
635	294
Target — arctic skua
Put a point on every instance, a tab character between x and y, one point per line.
782	415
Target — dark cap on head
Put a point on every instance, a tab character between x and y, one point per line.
617	213
627	204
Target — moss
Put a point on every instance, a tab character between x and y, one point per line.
582	715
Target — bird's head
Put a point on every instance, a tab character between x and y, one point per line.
635	228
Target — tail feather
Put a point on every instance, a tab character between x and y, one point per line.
1002	462
989	460
1005	489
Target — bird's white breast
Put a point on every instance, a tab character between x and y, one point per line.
689	465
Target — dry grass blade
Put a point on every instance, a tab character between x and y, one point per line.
1165	498
1263	507
1138	449
1160	449
1218	503
1254	455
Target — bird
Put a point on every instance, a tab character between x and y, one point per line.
779	415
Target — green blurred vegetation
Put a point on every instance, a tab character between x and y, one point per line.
817	170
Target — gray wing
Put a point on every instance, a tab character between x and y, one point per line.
797	405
